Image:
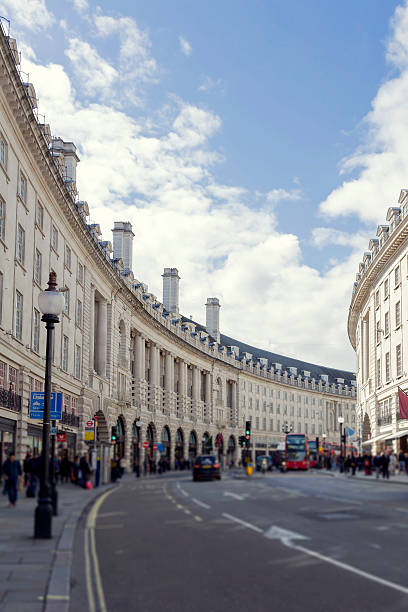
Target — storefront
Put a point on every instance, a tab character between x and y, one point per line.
34	439
7	437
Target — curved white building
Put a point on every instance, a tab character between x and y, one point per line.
154	379
377	327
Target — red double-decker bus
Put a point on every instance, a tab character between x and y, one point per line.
313	453
296	452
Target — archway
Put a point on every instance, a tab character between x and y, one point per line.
192	446
366	428
206	444
118	437
231	451
135	445
102	434
219	445
179	449
165	445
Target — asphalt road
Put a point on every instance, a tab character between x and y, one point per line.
292	542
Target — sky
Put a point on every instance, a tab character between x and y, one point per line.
255	146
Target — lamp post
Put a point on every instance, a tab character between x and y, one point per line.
51	304
324	436
340	420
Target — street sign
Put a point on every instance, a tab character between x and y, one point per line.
89	435
53	431
145	444
154	446
37	406
61	437
160	447
90	424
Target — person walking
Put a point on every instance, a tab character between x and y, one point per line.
34	474
65	467
401	462
11	471
85	470
393	464
385	462
353	464
377	463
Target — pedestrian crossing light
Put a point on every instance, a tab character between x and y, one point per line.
113	434
247	429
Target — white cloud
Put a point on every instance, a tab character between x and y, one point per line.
30	14
185	46
279	195
94	73
326	236
381	163
81	6
208	84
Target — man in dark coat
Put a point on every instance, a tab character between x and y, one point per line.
11	470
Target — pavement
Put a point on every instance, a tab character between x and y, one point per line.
293	542
400	479
35	575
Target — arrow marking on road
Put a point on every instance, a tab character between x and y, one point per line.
234	495
284	535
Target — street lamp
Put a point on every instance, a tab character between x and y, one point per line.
340	420
51	304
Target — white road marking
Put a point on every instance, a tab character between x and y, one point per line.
183	492
243	523
234	495
284	535
200	503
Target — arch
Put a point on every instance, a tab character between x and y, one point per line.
192	445
366	428
179	449
206	443
150	433
219	445
165	442
231	451
118	436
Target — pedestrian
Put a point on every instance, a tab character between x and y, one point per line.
353	465
34	474
76	470
86	470
11	471
65	467
136	467
377	463
393	464
385	462
401	462
26	464
367	464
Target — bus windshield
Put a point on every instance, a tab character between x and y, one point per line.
295	448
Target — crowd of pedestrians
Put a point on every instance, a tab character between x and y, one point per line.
381	464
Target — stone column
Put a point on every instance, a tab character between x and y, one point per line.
182	377
234	403
139	357
168	373
102	338
208	389
195	392
154	365
92	330
364	351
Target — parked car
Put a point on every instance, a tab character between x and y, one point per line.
206	467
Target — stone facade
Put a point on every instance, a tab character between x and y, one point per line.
147	374
377	327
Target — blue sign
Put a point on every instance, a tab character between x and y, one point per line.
160	447
37	406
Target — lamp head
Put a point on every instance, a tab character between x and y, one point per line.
51	301
340	419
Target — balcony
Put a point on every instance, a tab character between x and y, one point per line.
69	418
10	400
384	420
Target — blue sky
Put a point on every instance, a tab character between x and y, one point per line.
247	139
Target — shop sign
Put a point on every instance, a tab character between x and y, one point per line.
61	437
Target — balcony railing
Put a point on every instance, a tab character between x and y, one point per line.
384	420
10	400
69	418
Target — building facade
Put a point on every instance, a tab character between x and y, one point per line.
156	381
377	327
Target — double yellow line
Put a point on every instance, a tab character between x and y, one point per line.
96	600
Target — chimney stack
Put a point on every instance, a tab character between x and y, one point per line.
122	243
171	289
212	317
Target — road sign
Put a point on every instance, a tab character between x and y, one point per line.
160	447
90	424
154	446
53	431
37	406
61	437
145	444
89	435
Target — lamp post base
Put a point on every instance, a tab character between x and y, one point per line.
43	519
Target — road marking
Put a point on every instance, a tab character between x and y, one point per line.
200	503
179	506
92	556
234	495
284	535
186	511
198	518
54	597
348	568
243	523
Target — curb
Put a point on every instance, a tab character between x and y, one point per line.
57	596
368	479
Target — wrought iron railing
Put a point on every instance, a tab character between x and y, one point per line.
384	420
10	400
69	418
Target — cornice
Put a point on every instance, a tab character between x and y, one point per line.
396	240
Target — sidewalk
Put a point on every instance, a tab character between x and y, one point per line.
397	479
35	574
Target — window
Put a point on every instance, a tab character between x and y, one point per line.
387	367
257	404
3	151
264	424
65	345
378	372
2	218
313	428
37	267
257	388
264	406
278	409
397	276
250	403
54	238
278	394
299	399
320	429
22	187
67	402
292	411
306	428
299	427
77	361
20	246
66	307
377	298
271	407
257	422
285	395
299	411
378	331
18	327
386	288
78	316
67	259
39	215
250	386
387	324
36	331
12	379
397	314
398	360
271	424
270	392
243	382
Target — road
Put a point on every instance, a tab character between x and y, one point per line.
293	542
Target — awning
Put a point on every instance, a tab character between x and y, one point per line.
376	439
399	434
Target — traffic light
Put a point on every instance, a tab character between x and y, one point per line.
247	429
114	434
